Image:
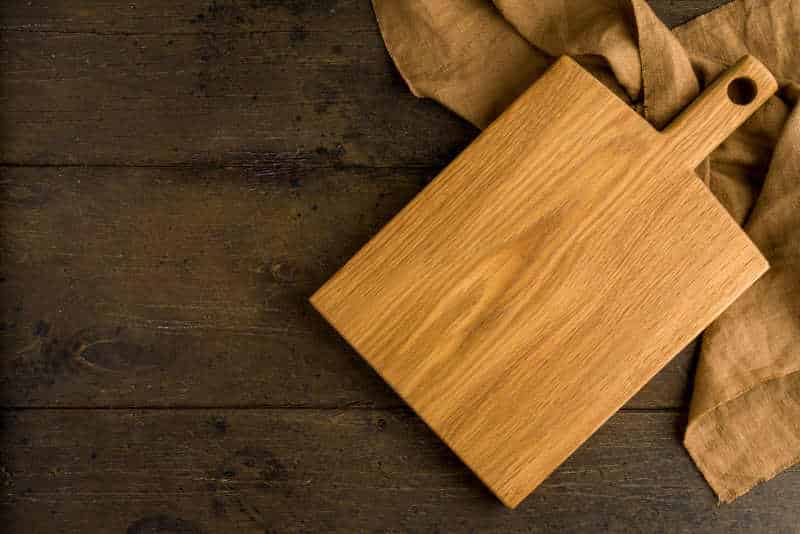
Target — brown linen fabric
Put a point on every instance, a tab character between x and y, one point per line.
476	56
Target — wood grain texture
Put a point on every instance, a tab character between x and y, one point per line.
293	471
549	272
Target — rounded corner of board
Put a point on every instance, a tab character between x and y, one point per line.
510	504
565	62
314	299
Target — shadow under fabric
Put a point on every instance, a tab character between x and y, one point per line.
477	56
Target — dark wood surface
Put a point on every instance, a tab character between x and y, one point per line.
176	178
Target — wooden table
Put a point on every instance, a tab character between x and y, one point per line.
177	178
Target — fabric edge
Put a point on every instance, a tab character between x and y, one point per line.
386	39
727	496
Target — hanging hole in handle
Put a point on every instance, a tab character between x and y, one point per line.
742	91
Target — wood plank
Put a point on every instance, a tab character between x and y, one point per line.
548	273
677	12
240	82
233	16
346	471
187	16
188	287
303	86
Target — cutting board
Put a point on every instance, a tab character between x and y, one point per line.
550	271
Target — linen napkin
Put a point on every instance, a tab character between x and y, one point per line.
477	56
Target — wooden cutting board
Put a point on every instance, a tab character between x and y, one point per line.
550	271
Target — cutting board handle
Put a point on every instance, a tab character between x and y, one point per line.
735	95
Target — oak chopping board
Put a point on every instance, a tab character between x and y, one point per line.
550	271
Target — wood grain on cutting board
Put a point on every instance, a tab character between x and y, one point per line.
549	272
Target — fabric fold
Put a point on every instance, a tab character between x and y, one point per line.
449	50
476	57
